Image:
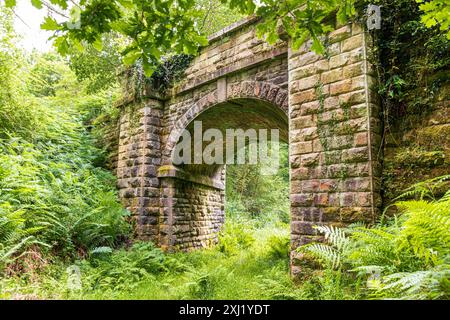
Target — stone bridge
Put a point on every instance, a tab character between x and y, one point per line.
324	107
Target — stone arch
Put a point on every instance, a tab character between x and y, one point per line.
256	90
334	134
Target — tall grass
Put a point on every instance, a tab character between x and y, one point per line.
144	272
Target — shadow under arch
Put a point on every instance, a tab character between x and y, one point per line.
193	195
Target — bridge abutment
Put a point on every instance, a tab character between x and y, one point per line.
335	137
139	158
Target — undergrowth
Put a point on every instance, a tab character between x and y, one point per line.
250	271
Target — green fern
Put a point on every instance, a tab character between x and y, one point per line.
428	284
325	254
332	252
406	257
335	237
425	189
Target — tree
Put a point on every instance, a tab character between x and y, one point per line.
154	27
98	68
436	12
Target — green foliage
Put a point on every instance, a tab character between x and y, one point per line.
156	27
159	26
235	236
415	60
123	269
14	235
98	69
144	272
215	16
168	71
436	13
151	27
428	189
252	194
45	74
300	19
407	258
14	103
279	245
53	194
205	283
60	190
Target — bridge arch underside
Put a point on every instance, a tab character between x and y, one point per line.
193	193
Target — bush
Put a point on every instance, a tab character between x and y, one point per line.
407	258
279	245
53	192
236	235
122	270
72	203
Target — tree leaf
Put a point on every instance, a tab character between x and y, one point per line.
37	3
62	45
10	3
61	3
148	68
50	24
131	57
317	45
298	41
98	44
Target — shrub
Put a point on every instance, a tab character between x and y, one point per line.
236	235
406	258
122	270
279	245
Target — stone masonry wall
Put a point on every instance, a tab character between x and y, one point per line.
417	148
234	58
193	214
139	157
334	136
335	133
229	53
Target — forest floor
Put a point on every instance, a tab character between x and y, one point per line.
248	263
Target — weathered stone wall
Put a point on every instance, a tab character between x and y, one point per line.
234	50
417	148
139	157
233	58
335	135
193	214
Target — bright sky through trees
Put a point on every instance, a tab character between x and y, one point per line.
27	22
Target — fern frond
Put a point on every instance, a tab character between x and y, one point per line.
335	236
326	254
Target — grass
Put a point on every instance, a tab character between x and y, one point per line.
258	270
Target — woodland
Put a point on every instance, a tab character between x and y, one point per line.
60	210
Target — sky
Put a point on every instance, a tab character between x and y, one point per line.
32	37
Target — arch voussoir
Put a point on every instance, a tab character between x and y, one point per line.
259	90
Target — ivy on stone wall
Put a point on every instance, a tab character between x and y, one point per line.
414	60
414	77
169	71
